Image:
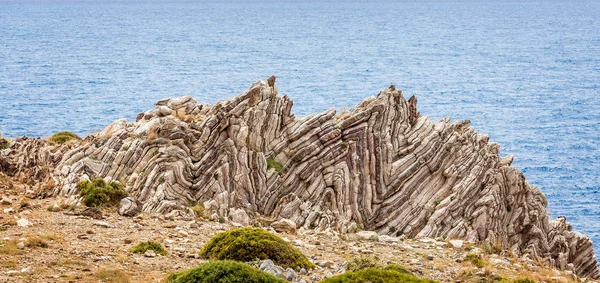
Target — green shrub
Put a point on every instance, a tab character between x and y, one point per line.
376	276
272	163
475	260
63	137
524	280
398	268
223	271
247	244
149	245
98	193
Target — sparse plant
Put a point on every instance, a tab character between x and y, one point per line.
246	244
392	229
149	245
272	163
199	210
475	260
523	280
98	193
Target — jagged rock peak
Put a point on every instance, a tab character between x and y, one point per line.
380	166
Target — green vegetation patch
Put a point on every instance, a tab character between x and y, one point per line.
63	137
390	274
149	245
247	244
475	260
4	143
524	280
223	271
98	193
272	163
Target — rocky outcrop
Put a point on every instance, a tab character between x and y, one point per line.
380	166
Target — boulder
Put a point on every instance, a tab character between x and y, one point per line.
284	226
130	207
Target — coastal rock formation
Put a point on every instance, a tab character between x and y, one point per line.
380	166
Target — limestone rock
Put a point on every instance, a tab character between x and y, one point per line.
456	243
284	226
22	222
130	207
376	166
368	235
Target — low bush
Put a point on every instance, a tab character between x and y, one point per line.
390	274
149	245
223	271
247	244
98	193
63	137
524	280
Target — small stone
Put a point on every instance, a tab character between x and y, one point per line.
388	239
6	201
303	271
27	270
127	241
20	245
150	253
103	224
55	208
90	232
430	257
23	222
9	210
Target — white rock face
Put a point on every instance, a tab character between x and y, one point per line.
376	166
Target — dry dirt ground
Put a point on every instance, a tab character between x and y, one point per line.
58	246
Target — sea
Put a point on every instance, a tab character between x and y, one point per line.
527	73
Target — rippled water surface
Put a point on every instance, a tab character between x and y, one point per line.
527	74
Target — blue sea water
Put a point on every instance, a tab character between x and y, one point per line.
526	73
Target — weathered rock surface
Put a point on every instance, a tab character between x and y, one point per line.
380	166
130	207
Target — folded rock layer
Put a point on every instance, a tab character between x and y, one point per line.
379	166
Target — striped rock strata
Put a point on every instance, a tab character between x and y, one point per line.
380	166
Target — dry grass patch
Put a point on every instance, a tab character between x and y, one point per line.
8	263
113	275
9	248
